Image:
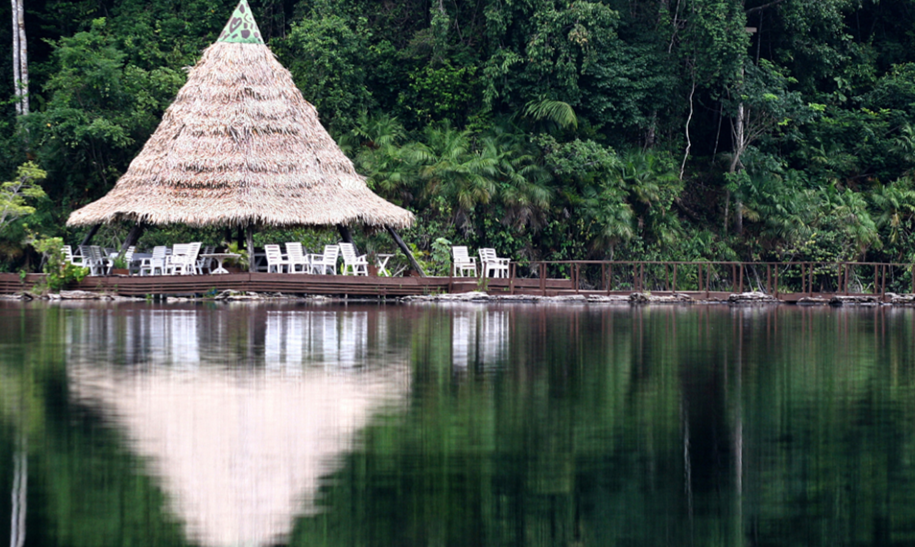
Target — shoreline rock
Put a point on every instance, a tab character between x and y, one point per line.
634	299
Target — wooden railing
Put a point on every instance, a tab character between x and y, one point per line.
771	277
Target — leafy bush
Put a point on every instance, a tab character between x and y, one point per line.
60	272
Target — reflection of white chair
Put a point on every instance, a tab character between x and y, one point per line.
275	261
295	257
491	265
356	264
463	262
326	261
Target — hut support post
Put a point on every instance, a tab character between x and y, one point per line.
249	246
91	234
346	236
406	251
133	236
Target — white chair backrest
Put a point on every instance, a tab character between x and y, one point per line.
159	252
193	249
96	252
487	255
330	254
294	252
461	256
274	255
180	249
68	253
348	252
128	254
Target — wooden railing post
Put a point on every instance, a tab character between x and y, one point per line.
543	278
511	278
699	276
610	277
775	280
810	286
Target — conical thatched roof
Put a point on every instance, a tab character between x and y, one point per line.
239	146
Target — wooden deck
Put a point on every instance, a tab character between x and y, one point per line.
338	285
184	285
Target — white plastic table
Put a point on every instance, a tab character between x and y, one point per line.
381	261
219	258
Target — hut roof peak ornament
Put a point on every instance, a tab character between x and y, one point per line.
241	28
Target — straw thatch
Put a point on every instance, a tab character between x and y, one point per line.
240	146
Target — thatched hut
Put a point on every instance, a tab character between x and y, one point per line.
240	147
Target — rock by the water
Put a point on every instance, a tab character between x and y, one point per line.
752	297
81	295
814	301
855	300
609	299
901	299
648	298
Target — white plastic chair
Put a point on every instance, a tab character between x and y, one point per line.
149	266
190	267
174	262
463	262
68	256
492	265
94	259
295	257
358	265
183	260
324	262
275	261
205	263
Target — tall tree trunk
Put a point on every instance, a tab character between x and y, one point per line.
249	245
20	59
689	118
16	4
740	145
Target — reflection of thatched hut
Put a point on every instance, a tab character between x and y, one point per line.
240	454
241	147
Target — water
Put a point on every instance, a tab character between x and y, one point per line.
459	425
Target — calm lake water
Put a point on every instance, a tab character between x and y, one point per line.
455	425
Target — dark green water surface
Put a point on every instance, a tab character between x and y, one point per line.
456	425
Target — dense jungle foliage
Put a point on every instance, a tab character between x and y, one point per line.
625	129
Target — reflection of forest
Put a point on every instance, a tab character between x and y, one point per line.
524	425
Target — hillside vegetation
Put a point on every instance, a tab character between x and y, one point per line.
624	129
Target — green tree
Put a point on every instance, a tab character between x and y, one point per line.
16	194
328	57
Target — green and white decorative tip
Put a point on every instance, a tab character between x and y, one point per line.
241	28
